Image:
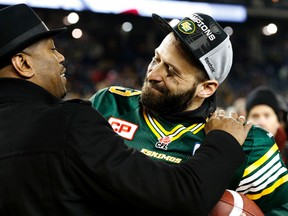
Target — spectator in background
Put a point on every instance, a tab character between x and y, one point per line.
263	109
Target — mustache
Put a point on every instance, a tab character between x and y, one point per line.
157	86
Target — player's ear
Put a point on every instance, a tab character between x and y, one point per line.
21	63
207	88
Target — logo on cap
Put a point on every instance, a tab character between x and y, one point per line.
186	27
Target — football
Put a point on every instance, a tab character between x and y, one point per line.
233	203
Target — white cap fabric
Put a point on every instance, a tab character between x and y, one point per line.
206	40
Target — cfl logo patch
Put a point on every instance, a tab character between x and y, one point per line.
123	128
163	143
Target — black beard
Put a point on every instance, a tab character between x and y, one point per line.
163	101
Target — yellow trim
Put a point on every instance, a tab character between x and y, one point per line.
167	133
163	130
123	91
191	126
270	189
200	128
175	128
150	126
262	160
179	134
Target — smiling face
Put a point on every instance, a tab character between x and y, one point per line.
173	82
46	67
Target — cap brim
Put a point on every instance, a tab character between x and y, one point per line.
164	25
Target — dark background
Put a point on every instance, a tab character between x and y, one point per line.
105	55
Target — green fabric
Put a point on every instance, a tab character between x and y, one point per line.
263	177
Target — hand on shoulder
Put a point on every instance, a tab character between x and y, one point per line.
232	124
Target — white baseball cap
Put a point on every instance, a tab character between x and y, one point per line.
206	40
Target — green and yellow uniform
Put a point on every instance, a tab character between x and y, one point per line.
173	139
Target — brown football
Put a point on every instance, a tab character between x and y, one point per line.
233	203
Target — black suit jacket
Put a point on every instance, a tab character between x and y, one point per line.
63	158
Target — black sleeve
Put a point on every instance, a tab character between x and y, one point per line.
104	169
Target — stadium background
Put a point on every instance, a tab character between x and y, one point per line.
106	55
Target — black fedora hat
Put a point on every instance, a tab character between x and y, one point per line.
20	27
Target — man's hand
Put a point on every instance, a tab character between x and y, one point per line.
233	124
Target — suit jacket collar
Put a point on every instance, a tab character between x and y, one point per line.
18	89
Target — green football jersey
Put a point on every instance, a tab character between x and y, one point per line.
263	177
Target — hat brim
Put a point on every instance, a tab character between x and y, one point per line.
41	36
22	42
164	25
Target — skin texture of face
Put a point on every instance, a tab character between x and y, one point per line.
171	84
265	117
45	66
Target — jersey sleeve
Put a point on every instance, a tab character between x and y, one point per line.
115	100
101	101
264	174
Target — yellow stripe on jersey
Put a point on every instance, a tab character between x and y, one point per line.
195	128
158	130
178	128
150	126
264	175
163	130
261	161
124	91
270	189
180	134
200	128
